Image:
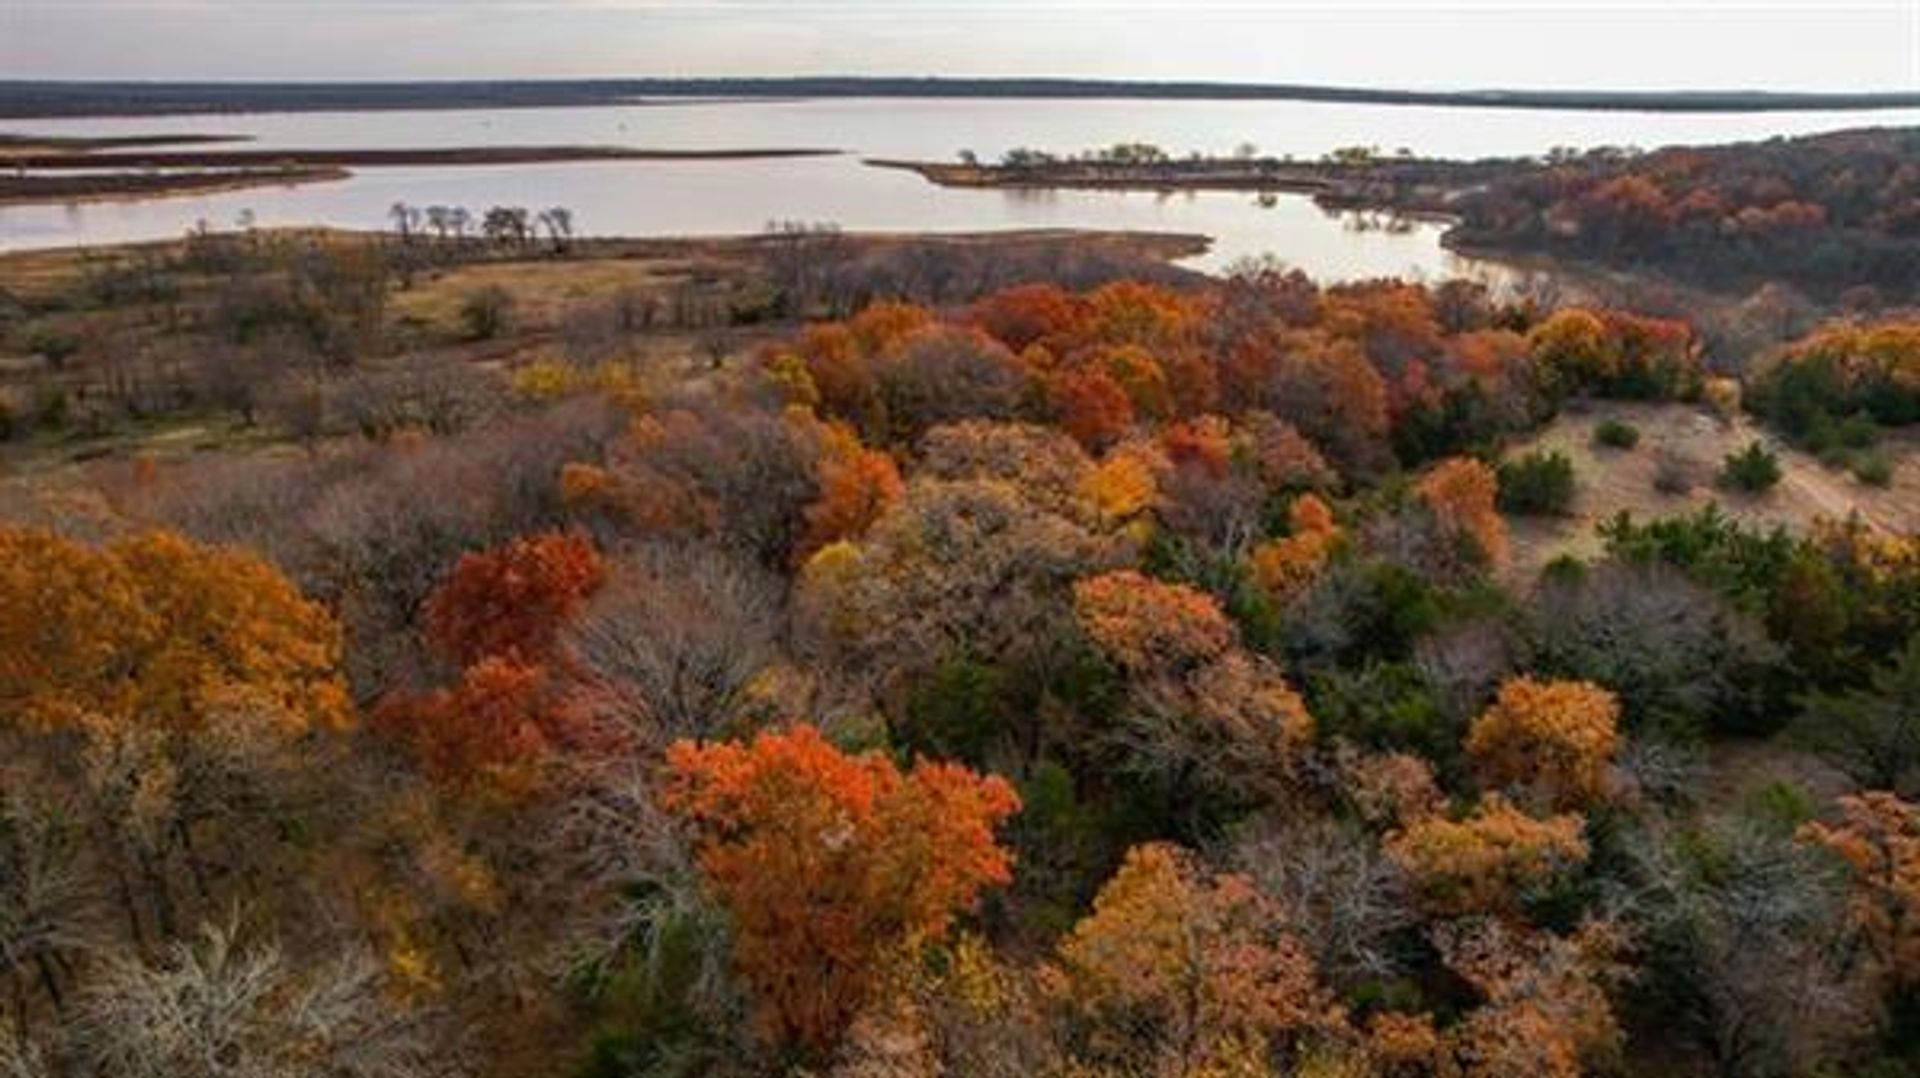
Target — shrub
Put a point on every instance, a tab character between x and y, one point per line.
51	407
1673	473
1615	434
486	312
1873	469
55	345
1753	469
1537	483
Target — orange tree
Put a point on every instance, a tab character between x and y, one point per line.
1489	862
1554	739
159	630
1878	837
829	864
1461	493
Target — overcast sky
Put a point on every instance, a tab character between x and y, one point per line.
1626	44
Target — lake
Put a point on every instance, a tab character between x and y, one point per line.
642	198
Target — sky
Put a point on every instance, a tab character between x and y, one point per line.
1437	44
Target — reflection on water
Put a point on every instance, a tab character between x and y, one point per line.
734	197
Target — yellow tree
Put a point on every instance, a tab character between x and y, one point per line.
1181	965
1553	739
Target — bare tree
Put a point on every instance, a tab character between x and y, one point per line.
49	905
406	220
558	221
219	1008
1349	900
676	642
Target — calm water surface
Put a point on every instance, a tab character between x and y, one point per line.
732	197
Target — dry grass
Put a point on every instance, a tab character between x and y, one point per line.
542	290
1609	481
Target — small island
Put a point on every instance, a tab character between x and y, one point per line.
1349	178
129	168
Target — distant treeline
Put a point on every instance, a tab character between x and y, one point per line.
1825	213
22	99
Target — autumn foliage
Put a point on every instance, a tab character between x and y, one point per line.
1878	837
829	863
158	631
495	726
1553	739
857	485
1462	494
1546	1011
1177	964
1146	625
1286	565
513	601
1489	861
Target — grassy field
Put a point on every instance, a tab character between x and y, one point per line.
1611	481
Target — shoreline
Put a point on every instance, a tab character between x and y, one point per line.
383	158
1109	177
1419	189
1170	247
42	99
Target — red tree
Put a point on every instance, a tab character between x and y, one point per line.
513	600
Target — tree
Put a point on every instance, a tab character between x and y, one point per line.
1285	566
673	646
1489	862
1538	483
1461	493
1753	470
1554	740
1093	408
1872	732
220	1008
406	220
1678	656
1878	838
558	221
1125	484
515	600
1743	930
980	567
494	728
1199	710
1546	1012
857	486
1347	900
1174	965
50	904
828	864
486	312
944	374
716	470
157	631
502	224
1147	627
